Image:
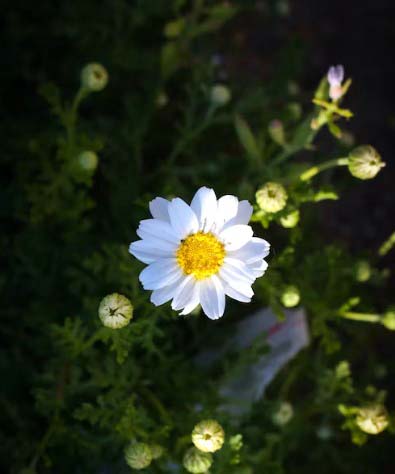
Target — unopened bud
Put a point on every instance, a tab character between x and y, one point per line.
388	319
156	451
115	311
197	462
372	419
363	271
174	28
364	162
88	160
94	77
324	432
220	95
290	296
335	78
283	414
291	219
208	436
271	197
138	455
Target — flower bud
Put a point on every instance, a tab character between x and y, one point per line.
115	311
363	271
208	436
335	78
94	77
156	451
388	319
283	414
291	219
220	95
372	419
162	99
196	461
271	197
88	160
174	28
290	296
324	432
364	162
276	132
138	455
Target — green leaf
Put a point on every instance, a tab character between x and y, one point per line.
247	138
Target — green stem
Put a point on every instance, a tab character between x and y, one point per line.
44	442
311	172
367	317
191	135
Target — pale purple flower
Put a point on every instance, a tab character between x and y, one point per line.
335	78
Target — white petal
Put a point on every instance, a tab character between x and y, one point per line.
236	236
182	218
204	204
227	210
192	304
159	209
243	216
157	243
184	293
159	274
258	268
166	293
157	229
237	295
212	297
252	251
234	271
147	253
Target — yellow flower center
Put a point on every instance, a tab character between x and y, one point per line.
200	255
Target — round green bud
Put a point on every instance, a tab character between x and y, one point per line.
388	319
291	219
372	419
290	296
271	197
138	455
220	95
363	271
295	110
115	311
364	162
197	462
156	451
94	77
208	436
88	160
283	414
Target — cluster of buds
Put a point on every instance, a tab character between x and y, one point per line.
271	197
115	311
208	436
140	455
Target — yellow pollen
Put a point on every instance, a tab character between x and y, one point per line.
201	255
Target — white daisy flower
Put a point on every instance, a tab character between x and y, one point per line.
197	254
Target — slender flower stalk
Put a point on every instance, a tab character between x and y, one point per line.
314	170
